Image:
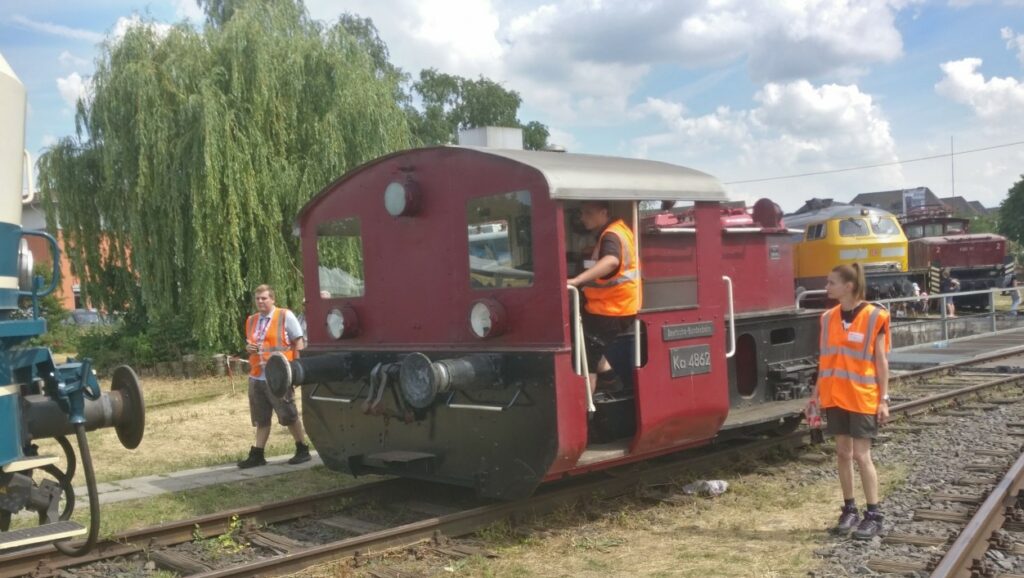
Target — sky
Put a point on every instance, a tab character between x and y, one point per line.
746	90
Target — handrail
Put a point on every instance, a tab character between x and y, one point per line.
732	318
802	294
639	275
580	357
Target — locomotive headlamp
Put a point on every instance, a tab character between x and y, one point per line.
487	318
342	322
402	199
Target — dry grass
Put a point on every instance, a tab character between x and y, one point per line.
767	525
182	434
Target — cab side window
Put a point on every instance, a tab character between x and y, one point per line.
815	232
339	251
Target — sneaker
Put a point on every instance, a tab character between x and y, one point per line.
301	454
255	459
870	526
848	520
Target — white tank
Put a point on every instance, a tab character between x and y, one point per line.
12	143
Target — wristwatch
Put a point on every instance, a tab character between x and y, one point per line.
885	398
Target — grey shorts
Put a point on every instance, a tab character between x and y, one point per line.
839	421
262	403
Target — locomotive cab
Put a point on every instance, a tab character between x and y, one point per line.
444	339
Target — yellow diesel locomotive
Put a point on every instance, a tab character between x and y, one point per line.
832	234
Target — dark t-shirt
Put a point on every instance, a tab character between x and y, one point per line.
610	245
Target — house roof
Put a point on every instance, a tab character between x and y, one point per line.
892	201
960	206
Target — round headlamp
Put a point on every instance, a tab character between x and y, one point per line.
401	199
487	318
342	322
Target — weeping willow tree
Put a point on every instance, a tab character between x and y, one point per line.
198	148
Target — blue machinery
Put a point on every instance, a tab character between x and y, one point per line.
40	399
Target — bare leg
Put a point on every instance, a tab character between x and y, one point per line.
868	475
262	435
297	431
844	459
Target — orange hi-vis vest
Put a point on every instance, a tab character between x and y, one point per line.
846	370
274	338
618	296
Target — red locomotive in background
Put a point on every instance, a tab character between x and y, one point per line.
443	336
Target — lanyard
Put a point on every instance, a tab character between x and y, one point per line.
261	329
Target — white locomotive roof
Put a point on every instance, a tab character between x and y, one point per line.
594	177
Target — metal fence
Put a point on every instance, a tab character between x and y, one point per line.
919	310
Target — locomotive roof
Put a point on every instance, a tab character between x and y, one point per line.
835	211
594	177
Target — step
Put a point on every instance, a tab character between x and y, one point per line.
27	463
40	534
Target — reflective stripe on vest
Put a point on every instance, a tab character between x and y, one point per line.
846	373
275	339
620	295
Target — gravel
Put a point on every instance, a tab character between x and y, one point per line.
937	459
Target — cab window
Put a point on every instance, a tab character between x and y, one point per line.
815	232
853	228
954	228
884	226
915	232
339	251
500	241
933	230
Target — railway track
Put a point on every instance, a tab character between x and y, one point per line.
415	520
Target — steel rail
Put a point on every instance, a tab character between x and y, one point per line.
613	483
47	558
972	543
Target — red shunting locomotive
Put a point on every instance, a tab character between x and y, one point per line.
443	340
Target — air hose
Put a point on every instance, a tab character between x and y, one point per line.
94	499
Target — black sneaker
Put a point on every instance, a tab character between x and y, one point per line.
848	520
301	454
870	526
255	459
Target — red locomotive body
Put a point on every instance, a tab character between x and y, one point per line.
447	346
937	240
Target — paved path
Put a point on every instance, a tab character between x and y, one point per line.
956	350
149	486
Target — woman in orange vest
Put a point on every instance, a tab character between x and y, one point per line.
611	285
852	388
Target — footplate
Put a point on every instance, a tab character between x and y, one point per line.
40	534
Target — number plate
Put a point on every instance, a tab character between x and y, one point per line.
692	360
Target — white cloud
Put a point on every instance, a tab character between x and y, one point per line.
580	61
68	60
73	87
48	140
125	23
796	127
996	101
57	29
189	10
1014	42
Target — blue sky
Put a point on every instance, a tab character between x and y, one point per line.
742	89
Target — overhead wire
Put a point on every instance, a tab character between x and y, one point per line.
874	166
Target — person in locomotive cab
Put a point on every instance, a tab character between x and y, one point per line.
852	388
272	329
611	284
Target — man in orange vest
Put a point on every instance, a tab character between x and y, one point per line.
853	389
272	329
611	285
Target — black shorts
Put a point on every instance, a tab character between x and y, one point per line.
839	421
599	332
